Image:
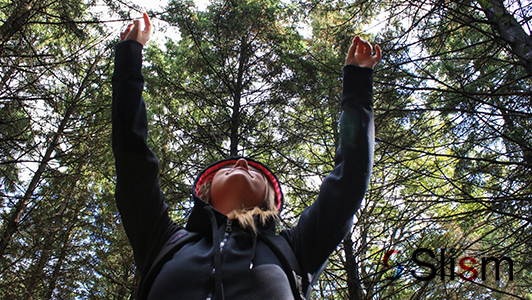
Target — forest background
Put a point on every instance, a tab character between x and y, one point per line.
262	78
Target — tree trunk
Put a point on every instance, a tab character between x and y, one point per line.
354	286
509	30
237	97
15	21
57	268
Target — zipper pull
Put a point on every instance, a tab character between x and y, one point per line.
228	228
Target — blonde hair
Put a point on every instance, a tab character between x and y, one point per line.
246	216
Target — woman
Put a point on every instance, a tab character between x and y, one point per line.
236	201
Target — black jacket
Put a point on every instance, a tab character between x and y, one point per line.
246	268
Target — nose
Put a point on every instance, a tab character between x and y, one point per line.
242	163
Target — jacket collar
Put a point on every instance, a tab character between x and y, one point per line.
200	221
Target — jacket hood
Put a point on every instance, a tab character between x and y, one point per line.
209	172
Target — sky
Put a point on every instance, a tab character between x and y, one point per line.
154	4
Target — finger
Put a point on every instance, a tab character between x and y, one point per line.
367	49
124	33
128	28
132	28
361	46
353	47
136	24
378	53
147	22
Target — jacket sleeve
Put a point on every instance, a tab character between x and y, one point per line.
138	195
324	224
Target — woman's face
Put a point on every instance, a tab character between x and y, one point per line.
237	185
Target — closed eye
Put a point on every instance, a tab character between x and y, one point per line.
253	169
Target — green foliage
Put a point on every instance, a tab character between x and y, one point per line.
452	160
446	163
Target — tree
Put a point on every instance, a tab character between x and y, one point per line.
54	107
452	162
219	90
457	172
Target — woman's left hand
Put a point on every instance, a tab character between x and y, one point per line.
360	54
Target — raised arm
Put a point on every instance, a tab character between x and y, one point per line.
138	196
325	223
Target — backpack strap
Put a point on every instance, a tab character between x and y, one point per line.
176	242
313	278
286	256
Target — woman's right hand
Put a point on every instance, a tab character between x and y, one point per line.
133	32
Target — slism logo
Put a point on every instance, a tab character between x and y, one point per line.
386	262
425	258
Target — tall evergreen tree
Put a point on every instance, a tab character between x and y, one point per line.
220	89
56	172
